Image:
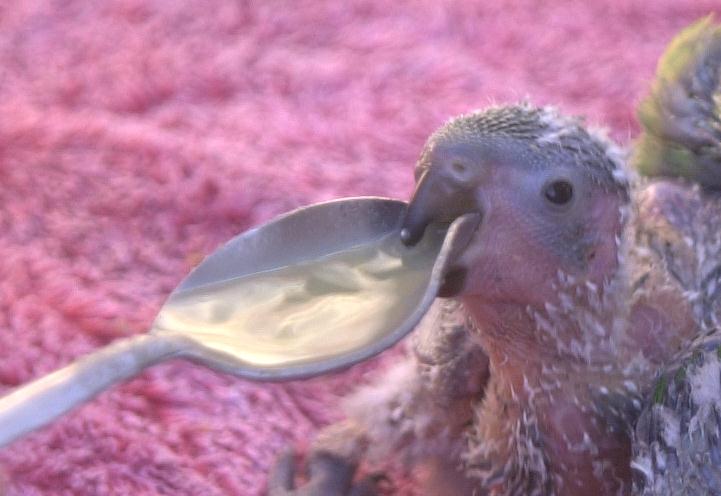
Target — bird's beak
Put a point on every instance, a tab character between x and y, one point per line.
442	200
436	199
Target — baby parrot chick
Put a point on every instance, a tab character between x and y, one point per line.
677	446
586	299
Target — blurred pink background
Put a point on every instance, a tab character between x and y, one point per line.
137	135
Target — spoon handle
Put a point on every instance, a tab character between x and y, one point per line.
33	405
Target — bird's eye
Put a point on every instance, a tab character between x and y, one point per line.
559	192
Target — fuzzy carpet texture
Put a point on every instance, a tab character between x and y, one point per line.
137	135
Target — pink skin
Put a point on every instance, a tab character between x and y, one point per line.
508	272
507	264
512	267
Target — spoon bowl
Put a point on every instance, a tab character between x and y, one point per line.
315	290
347	290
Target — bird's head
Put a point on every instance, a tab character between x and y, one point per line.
550	195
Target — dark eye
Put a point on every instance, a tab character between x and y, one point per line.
559	192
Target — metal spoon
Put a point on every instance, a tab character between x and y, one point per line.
307	243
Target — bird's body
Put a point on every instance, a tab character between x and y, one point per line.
582	286
555	414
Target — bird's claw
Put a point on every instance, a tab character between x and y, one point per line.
328	475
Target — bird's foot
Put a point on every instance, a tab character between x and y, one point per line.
328	475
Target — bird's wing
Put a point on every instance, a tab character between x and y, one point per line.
680	117
452	362
677	444
446	373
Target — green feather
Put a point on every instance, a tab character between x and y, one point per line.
680	116
659	392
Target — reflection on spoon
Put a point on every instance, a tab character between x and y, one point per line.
311	310
315	290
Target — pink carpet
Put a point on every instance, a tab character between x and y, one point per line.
137	135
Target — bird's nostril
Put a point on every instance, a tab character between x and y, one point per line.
459	167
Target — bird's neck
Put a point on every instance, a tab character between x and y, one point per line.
580	327
557	368
575	369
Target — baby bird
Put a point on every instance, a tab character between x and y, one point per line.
575	350
677	447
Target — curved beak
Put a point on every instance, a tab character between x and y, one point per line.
436	199
439	199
